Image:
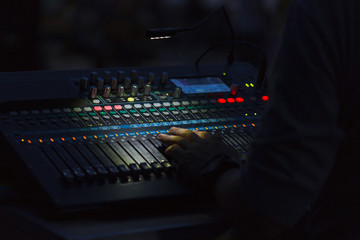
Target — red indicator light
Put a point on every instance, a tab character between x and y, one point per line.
239	99
97	108
265	98
108	108
118	107
230	100
221	100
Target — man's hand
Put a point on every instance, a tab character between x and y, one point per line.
198	155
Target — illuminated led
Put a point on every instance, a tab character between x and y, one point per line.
74	138
116	135
117	107
95	136
244	125
40	140
246	114
147	132
97	108
225	126
127	134
108	108
221	100
239	99
224	73
206	128
84	137
265	98
63	139
29	141
253	124
252	85
106	135
22	140
216	127
230	100
131	99
255	114
247	85
235	126
52	140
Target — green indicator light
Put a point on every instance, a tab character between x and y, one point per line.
172	109
190	107
112	112
181	108
152	110
142	110
123	112
200	107
162	109
102	113
133	111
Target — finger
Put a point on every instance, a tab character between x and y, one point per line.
175	152
202	134
173	139
185	133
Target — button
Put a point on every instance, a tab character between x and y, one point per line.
136	115
172	108
146	114
213	101
163	97
194	111
96	117
147	105
128	106
97	108
126	115
13	113
239	99
132	111
203	110
85	118
175	112
162	109
56	110
96	101
204	101
165	113
117	107
138	106
106	117
91	114
157	105
116	116
221	100
87	109
35	111
82	114
108	108
185	103
166	104
185	112
176	104
142	110
230	100
156	113
46	111
130	99
77	109
67	110
194	102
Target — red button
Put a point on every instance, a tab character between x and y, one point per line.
230	100
265	98
239	99
221	100
97	108
118	107
108	108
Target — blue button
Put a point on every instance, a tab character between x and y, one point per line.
115	127
125	126
135	125
142	133
230	126
132	134
222	119
175	123
101	136
220	127
122	134
94	128
194	121
213	120
152	132
192	129
104	128
155	124
90	137
145	125
165	123
204	120
185	122
162	131
211	127
111	135
201	129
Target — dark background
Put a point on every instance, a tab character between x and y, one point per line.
82	34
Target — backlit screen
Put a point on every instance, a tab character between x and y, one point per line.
201	85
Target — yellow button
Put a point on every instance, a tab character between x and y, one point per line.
130	99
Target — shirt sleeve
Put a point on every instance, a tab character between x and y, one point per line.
299	138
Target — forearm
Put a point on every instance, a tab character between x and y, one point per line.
245	220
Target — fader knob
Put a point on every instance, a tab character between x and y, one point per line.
127	83
134	90
120	90
93	91
121	76
151	77
107	76
114	83
93	77
100	84
141	82
107	90
147	90
177	92
84	83
234	89
164	78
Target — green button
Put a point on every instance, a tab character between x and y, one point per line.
181	108
152	110
91	114
112	112
123	112
60	115
200	107
82	114
103	113
162	109
172	109
142	110
190	107
133	111
72	115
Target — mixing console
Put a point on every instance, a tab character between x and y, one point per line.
100	146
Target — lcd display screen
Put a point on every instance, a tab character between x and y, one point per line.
201	85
